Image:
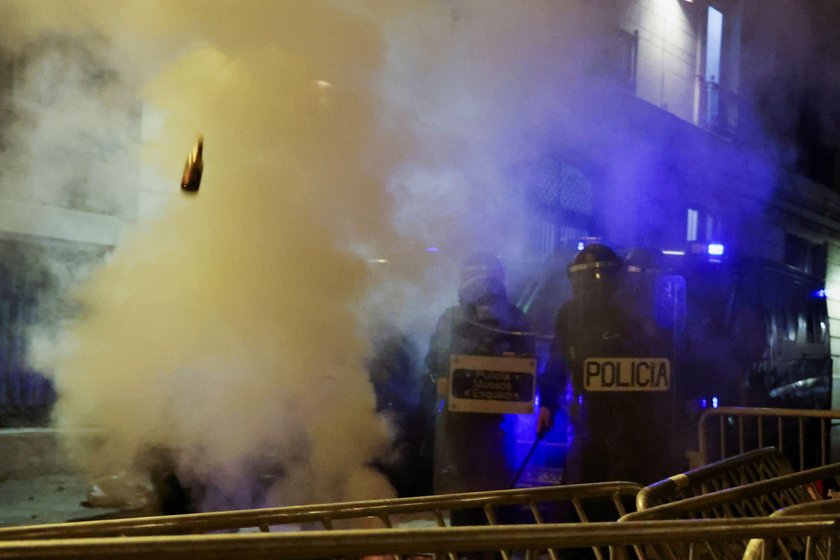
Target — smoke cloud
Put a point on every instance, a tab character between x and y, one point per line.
354	152
226	327
234	322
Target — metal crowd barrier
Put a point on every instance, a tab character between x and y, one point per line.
730	518
752	466
810	547
529	541
536	506
752	500
740	429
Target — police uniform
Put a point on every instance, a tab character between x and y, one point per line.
469	447
620	432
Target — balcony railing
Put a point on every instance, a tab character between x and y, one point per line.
718	108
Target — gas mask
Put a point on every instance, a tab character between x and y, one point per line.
485	300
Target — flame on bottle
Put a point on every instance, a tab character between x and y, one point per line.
191	179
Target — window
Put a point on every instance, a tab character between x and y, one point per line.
718	97
703	227
691	225
805	255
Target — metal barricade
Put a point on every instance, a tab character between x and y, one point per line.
740	429
811	547
752	500
432	542
571	503
752	466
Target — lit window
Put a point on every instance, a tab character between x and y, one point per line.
691	223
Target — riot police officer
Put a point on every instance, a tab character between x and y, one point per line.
618	386
470	446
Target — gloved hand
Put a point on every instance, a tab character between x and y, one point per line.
545	421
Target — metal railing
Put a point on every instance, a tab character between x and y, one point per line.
571	503
436	542
752	466
752	500
388	513
817	549
760	498
719	107
728	523
753	428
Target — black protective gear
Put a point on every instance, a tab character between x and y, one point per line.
482	280
595	273
469	447
618	435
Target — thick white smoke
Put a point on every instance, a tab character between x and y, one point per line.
234	323
226	328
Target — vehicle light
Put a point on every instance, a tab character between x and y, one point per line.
714	402
715	249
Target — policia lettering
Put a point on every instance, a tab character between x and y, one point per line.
627	374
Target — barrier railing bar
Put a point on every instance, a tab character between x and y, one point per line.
823	442
780	434
323	544
579	510
801	443
760	431
433	507
722	498
760	414
722	436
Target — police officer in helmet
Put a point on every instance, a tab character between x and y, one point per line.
612	428
470	446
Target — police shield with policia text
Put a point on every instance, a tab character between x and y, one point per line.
481	357
621	383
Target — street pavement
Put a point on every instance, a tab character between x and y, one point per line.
37	483
46	498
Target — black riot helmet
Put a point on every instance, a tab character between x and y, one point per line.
482	279
595	273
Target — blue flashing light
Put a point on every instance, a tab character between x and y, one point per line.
704	404
715	249
580	246
431	249
714	402
821	294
